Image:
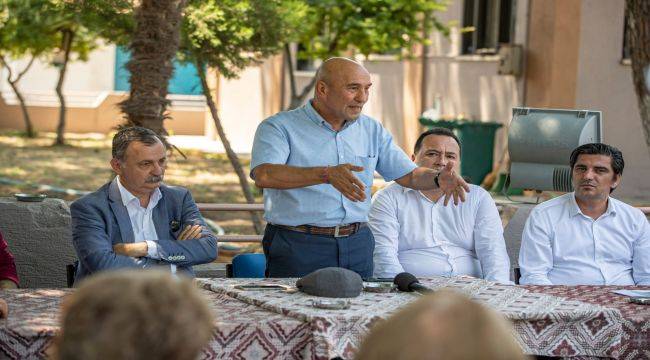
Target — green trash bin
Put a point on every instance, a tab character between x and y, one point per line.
478	145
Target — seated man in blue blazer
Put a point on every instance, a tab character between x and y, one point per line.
136	221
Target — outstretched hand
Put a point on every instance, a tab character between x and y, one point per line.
343	180
452	184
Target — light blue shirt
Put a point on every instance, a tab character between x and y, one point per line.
426	238
302	138
562	246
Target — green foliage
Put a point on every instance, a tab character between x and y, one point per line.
230	34
367	26
35	27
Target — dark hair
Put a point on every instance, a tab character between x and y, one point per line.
436	131
127	135
599	149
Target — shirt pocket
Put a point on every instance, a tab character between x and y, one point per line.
368	163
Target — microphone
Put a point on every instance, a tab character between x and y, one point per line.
409	283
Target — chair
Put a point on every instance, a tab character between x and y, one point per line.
512	235
248	266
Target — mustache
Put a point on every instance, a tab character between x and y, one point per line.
153	179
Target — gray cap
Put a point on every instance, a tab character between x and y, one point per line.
334	282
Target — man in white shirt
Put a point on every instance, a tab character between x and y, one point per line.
416	233
137	221
587	237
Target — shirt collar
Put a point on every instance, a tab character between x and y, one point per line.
128	198
314	116
574	209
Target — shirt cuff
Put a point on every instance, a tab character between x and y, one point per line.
152	250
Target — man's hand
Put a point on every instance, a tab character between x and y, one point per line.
191	232
452	185
138	249
343	180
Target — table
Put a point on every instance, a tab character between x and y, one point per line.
635	344
544	324
560	321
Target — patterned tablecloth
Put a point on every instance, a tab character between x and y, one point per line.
544	324
283	325
242	331
635	343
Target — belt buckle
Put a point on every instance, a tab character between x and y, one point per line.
336	232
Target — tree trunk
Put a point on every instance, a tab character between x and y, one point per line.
66	45
232	156
29	129
296	99
638	16
153	48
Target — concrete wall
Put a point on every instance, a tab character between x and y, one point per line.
603	83
100	119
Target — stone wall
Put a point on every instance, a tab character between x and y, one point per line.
40	238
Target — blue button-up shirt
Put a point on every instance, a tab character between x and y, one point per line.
302	138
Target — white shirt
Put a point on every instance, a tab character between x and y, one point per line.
416	235
560	245
141	218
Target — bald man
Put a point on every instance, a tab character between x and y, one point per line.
316	166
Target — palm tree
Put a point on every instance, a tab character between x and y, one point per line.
153	48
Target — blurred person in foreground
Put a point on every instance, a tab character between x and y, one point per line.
416	233
135	221
442	326
8	273
133	315
586	237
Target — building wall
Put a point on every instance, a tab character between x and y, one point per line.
572	60
603	83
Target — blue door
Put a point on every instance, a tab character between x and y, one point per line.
185	80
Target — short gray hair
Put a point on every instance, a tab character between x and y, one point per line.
127	135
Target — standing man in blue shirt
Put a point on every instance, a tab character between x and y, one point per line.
316	165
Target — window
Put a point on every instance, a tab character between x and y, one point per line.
491	23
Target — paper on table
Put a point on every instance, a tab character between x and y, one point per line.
633	293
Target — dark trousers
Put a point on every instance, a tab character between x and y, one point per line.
295	254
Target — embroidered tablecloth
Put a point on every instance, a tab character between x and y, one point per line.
242	331
544	324
589	321
635	344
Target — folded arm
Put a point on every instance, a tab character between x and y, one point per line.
192	251
92	244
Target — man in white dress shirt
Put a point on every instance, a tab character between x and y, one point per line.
587	237
416	233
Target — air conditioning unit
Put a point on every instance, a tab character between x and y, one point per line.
510	59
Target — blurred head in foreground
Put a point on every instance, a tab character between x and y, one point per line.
445	325
133	315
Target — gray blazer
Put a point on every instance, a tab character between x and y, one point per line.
100	220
